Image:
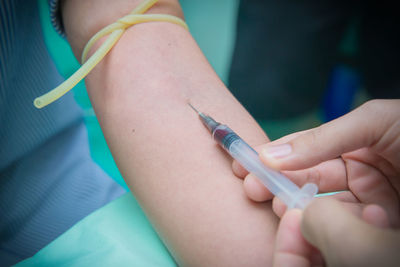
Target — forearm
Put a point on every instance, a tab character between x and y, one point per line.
181	179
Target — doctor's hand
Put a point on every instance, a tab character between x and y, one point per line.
342	238
358	154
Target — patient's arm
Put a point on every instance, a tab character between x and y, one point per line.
182	180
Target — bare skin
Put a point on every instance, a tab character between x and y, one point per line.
358	154
182	180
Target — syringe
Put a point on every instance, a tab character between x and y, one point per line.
279	185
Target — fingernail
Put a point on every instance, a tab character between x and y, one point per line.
277	151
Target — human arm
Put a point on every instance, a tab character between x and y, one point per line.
180	178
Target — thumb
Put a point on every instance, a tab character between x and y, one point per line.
344	239
362	127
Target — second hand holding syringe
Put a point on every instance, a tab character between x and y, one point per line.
279	185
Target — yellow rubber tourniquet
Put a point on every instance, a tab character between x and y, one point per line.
115	31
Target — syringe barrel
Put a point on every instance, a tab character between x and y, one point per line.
279	185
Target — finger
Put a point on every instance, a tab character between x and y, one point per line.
375	215
241	172
350	202
238	170
345	196
329	176
322	224
291	249
255	190
330	140
382	164
286	138
370	186
325	223
278	207
372	214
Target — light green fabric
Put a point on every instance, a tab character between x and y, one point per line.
115	235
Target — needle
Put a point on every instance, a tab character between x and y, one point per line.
279	185
194	108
